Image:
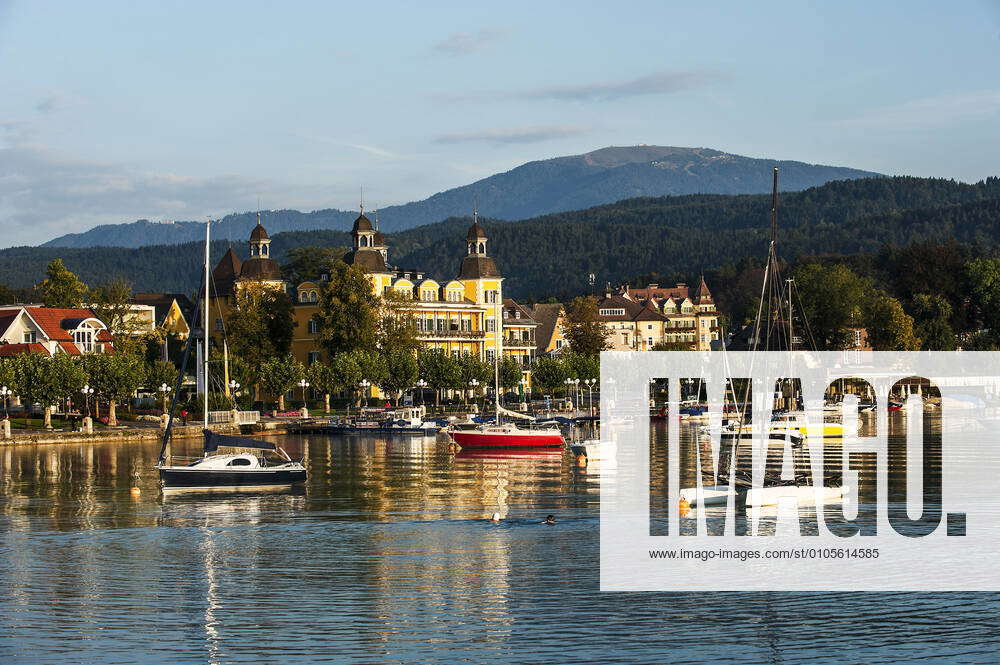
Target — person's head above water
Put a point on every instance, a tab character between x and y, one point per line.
549	519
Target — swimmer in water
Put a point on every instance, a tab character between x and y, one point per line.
495	518
550	519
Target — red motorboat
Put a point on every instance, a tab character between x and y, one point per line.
507	435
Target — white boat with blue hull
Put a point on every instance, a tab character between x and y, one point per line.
234	463
229	462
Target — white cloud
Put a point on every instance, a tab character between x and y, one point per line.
932	112
658	83
464	43
534	134
43	195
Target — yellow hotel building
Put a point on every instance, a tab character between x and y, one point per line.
462	315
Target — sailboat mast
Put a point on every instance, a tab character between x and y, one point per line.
499	351
774	210
208	227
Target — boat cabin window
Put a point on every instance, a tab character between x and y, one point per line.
240	461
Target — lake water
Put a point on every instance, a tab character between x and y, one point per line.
386	557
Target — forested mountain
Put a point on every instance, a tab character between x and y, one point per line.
552	255
535	188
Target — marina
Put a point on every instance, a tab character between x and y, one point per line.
385	547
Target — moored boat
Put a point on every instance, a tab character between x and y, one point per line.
507	435
229	462
248	466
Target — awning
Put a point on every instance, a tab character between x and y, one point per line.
213	441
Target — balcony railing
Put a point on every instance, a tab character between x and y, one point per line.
452	334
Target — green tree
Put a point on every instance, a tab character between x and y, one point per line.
68	376
548	374
261	324
309	264
279	375
112	304
580	366
889	327
474	368
36	382
346	368
983	276
349	311
402	372
671	346
159	373
373	366
114	378
583	329
832	300
932	322
510	373
397	325
325	379
61	288
440	370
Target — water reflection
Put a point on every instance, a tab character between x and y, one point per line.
386	556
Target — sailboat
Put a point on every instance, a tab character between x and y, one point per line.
504	434
773	332
228	462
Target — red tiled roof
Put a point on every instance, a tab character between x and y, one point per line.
7	350
659	292
70	348
56	322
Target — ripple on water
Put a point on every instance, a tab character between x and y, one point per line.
387	558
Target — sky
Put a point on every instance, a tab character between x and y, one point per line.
111	112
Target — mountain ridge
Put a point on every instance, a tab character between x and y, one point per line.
557	184
552	254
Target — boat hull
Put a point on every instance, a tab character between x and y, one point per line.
480	440
183	477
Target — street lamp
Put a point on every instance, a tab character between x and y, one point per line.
164	389
87	392
5	394
303	384
364	387
472	385
590	393
421	384
234	390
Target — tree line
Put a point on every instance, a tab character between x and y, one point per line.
678	235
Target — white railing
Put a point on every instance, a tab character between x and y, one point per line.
247	417
220	417
226	417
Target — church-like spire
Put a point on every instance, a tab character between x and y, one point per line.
259	240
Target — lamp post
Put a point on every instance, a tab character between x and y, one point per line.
421	384
303	384
364	388
234	390
590	393
5	394
524	390
473	384
163	390
87	392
